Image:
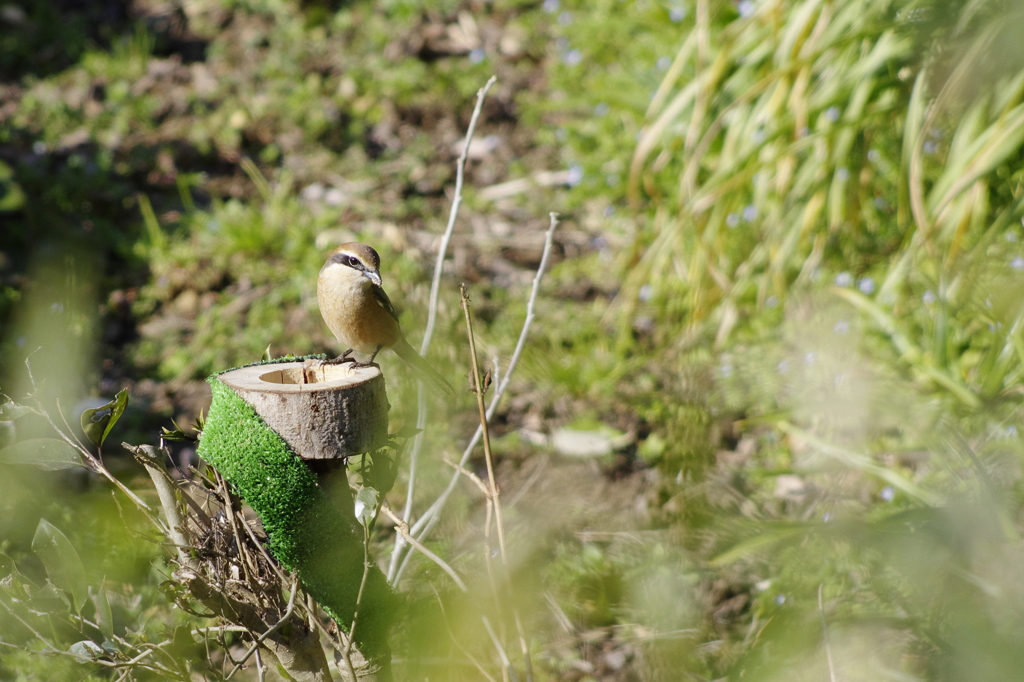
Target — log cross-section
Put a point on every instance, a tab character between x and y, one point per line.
322	411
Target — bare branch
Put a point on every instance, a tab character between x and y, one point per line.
428	333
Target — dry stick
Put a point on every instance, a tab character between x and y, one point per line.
432	515
403	529
268	633
243	556
494	494
435	289
493	507
478	389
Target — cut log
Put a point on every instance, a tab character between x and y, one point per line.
322	411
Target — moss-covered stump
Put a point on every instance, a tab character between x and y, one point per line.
317	537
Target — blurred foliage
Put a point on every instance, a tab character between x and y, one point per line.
800	289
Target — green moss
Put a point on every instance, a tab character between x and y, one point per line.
308	533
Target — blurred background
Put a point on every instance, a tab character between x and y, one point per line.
766	425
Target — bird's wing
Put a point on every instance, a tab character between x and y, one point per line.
382	297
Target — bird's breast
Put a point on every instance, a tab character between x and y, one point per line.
353	315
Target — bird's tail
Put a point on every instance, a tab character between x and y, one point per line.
409	354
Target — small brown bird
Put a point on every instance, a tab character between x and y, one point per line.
359	313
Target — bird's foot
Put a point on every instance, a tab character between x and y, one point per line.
370	362
344	357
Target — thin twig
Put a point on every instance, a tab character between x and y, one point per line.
432	515
457	643
468	474
824	630
362	588
272	630
98	467
505	661
403	528
243	556
494	493
460	172
428	333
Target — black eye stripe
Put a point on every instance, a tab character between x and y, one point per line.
345	259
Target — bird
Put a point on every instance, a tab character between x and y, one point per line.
359	313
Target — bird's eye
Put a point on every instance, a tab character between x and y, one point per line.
352	261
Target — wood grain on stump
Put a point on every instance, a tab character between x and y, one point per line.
321	411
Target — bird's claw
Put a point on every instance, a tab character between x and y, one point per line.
343	358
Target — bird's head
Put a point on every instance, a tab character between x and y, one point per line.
354	259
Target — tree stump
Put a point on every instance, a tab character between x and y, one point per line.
321	411
281	434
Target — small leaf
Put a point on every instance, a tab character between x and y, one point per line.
366	505
11	578
407	431
48	454
10	411
63	565
175	434
98	421
267	357
104	617
183	644
86	650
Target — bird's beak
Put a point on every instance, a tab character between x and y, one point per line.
373	276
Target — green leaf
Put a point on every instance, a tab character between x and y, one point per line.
11	578
183	644
10	411
48	454
86	651
104	617
366	505
768	536
98	421
406	432
12	197
175	434
63	565
48	600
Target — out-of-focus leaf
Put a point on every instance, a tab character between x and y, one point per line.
12	197
48	454
10	411
98	421
48	600
767	537
11	578
407	431
104	617
63	565
183	644
86	650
